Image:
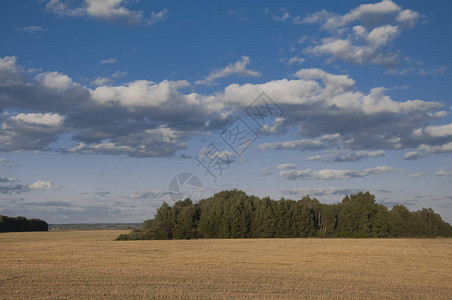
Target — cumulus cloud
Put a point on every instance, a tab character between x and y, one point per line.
55	80
147	194
416	71
31	131
140	93
287	166
266	171
13	186
238	68
329	191
443	173
6	179
415	175
42	185
99	81
323	104
10	73
332	174
323	191
161	141
157	17
363	35
323	141
295	60
31	29
146	118
13	189
282	15
110	60
367	14
107	10
6	163
430	140
434	131
346	155
425	150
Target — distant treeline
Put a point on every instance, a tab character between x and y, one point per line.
8	224
234	214
94	226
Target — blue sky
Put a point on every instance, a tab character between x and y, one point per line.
104	102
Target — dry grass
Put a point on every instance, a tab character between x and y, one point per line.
88	264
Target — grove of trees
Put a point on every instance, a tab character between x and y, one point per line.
234	214
8	224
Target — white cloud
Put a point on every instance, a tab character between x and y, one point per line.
10	73
266	171
412	155
295	60
157	17
42	185
416	71
8	63
346	155
434	149
332	174
32	131
282	15
409	17
346	50
367	42
110	60
302	39
7	179
111	9
435	71
61	8
47	119
119	74
443	173
380	36
6	163
147	194
369	14
138	93
323	110
437	131
286	166
304	144
415	175
99	81
161	141
31	29
323	191
108	10
426	150
238	68
55	80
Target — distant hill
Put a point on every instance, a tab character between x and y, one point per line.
94	226
234	214
9	224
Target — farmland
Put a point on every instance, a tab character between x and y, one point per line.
89	264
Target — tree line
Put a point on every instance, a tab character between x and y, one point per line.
9	224
234	214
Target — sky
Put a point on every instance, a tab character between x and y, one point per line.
110	107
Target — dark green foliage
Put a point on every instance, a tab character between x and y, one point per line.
8	224
234	214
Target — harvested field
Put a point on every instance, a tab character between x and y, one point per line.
89	264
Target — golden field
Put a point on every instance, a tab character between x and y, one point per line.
89	264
